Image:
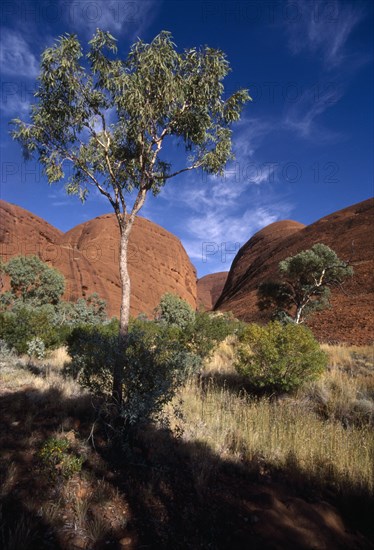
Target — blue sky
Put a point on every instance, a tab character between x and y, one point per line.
304	145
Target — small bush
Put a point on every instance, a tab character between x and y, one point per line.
36	348
57	460
172	310
155	362
93	351
24	323
279	357
201	331
6	353
209	330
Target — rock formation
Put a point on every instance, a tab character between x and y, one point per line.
350	233
87	256
209	289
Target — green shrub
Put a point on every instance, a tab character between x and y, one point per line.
93	351
36	348
201	331
155	362
34	281
172	310
279	357
208	330
57	460
24	323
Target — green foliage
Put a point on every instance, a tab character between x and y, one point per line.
94	351
154	361
156	365
155	357
36	348
57	460
33	281
209	330
201	331
304	288
172	310
24	323
32	309
91	312
279	357
154	94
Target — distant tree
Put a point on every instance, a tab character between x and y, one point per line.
305	283
172	310
33	281
111	120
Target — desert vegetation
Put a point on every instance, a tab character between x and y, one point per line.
305	283
199	435
110	118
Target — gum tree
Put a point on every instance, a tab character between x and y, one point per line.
305	284
110	118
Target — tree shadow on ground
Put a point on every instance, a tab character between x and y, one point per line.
233	382
179	494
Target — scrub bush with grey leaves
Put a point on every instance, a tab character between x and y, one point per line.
36	348
155	363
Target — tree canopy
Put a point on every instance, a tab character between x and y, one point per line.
34	281
305	283
110	118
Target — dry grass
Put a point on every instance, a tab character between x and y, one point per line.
40	375
56	407
295	436
335	448
223	359
58	358
346	391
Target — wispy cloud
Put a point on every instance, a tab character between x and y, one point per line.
14	104
219	216
323	28
216	236
304	117
250	134
16	57
86	17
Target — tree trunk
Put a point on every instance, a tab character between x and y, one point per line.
125	310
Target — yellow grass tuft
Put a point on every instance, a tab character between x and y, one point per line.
323	433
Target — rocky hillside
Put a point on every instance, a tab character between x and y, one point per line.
209	289
87	255
350	233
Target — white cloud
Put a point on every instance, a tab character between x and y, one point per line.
16	57
218	235
219	216
14	104
322	28
250	133
113	15
302	117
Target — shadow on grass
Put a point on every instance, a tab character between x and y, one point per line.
233	382
179	494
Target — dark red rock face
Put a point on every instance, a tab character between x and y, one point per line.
350	233
87	256
209	289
